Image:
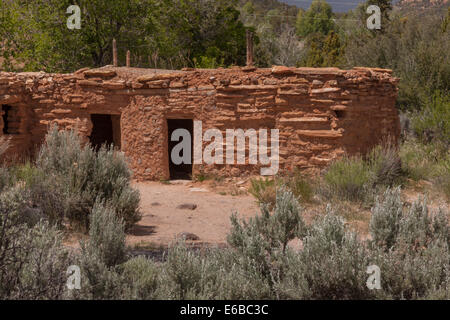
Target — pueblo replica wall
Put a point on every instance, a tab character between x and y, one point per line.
320	113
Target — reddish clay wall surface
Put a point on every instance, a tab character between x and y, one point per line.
320	113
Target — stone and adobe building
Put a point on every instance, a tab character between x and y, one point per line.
320	113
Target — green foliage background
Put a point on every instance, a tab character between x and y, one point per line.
163	34
171	34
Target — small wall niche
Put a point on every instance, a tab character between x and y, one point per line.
341	114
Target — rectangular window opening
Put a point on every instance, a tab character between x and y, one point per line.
105	131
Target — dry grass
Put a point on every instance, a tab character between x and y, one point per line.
4	144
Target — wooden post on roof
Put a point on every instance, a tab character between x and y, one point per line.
249	48
128	58
115	53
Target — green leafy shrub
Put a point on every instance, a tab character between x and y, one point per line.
47	197
183	269
264	190
210	274
416	266
427	162
106	235
261	242
101	255
200	177
300	186
417	228
27	173
44	191
43	274
33	260
229	275
385	220
411	249
284	223
443	177
206	62
276	228
98	282
408	274
348	178
87	175
253	248
417	159
333	261
17	206
142	275
433	122
359	179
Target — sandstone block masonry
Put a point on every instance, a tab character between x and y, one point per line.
320	113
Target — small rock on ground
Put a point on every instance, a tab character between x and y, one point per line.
198	190
187	206
182	182
188	236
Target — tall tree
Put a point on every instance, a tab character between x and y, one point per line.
43	40
171	32
317	28
317	19
324	51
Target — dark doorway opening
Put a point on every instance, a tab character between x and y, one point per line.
11	120
183	170
105	130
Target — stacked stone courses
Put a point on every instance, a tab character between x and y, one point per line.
321	113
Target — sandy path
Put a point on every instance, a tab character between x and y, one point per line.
162	221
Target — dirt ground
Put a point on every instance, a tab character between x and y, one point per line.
162	221
208	205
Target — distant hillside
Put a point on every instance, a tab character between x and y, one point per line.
345	5
337	5
267	5
279	10
423	3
